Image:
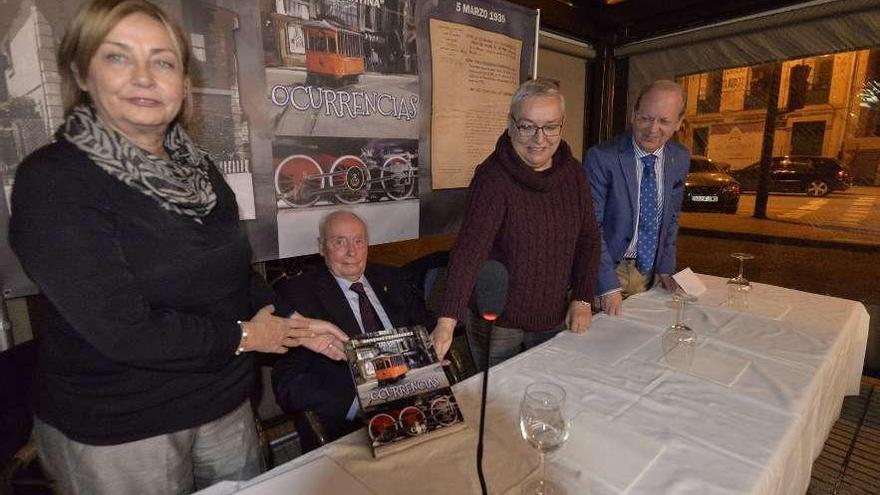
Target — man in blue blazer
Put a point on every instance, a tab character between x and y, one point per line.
638	185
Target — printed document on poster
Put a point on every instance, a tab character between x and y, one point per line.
475	74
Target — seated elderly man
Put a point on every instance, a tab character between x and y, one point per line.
358	297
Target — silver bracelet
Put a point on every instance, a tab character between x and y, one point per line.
244	338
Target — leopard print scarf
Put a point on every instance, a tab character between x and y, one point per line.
180	184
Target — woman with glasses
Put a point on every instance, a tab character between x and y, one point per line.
530	208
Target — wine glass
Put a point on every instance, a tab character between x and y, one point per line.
738	287
679	341
543	425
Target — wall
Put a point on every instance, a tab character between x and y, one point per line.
571	72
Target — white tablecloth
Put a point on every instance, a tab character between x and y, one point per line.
756	435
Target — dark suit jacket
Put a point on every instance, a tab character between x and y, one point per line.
305	380
612	171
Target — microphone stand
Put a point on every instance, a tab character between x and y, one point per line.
490	318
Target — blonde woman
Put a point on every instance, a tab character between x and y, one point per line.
133	236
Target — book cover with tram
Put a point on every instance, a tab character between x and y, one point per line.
404	393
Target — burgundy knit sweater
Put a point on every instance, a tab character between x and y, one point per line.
540	225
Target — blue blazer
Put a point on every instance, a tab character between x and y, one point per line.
611	168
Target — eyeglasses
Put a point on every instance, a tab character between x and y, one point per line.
645	120
529	130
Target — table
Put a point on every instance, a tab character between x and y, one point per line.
759	435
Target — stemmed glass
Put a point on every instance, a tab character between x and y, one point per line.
738	287
679	340
543	425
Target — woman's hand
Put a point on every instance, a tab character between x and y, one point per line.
274	334
326	339
442	335
579	316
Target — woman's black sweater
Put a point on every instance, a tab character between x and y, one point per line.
143	303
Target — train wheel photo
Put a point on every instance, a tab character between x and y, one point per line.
382	428
443	410
398	178
412	420
298	181
350	179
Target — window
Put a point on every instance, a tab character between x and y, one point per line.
701	165
293	8
295	41
807	138
331	45
709	93
198	47
701	140
820	85
758	87
345	13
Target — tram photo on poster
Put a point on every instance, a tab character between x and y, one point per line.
343	95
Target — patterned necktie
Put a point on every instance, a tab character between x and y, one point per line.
369	318
649	226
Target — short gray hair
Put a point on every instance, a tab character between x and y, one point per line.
663	85
531	89
333	215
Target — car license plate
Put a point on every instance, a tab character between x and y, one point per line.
705	199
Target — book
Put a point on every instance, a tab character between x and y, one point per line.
404	394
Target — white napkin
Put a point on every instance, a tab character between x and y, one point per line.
610	452
689	282
718	367
606	341
318	477
764	306
708	364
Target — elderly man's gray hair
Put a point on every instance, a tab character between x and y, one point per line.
333	215
531	89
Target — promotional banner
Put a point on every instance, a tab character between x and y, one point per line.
345	107
305	106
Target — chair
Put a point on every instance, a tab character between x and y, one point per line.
429	274
19	471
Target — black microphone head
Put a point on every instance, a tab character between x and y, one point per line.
491	288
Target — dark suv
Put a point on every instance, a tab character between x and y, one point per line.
708	187
814	175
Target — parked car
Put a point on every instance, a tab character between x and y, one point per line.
813	175
709	188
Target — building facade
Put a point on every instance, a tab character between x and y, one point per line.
825	109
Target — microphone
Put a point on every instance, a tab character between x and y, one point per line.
490	292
